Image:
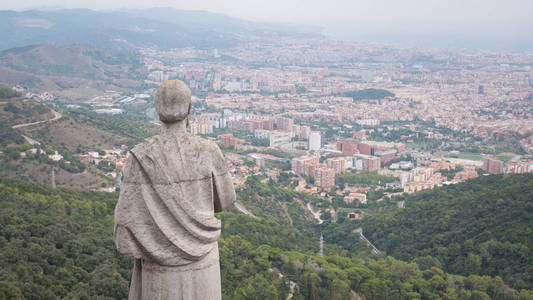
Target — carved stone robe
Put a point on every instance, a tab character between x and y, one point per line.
173	184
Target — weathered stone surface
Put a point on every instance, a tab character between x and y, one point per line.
173	184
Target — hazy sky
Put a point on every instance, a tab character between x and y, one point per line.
496	21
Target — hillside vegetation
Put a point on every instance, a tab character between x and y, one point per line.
81	131
272	202
8	135
19	111
58	244
73	133
61	69
8	93
483	226
22	160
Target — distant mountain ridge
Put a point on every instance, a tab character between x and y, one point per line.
52	68
161	27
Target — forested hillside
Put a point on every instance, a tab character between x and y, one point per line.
483	226
8	93
272	202
58	244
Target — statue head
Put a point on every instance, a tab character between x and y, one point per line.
173	101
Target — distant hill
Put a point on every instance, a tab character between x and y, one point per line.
73	132
87	131
76	53
22	156
18	111
161	27
483	226
52	68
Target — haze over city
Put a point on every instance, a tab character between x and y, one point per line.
493	24
281	150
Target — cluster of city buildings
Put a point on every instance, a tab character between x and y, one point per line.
42	96
54	156
354	155
527	144
495	165
348	155
423	177
324	177
282	85
117	157
477	92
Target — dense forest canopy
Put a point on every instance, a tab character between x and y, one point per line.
57	243
483	226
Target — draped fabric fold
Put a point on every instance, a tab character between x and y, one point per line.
165	213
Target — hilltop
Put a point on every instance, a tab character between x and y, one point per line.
160	27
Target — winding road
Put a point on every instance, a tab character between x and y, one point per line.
57	116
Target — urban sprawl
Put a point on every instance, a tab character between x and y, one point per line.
318	109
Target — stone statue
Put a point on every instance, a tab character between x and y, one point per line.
165	216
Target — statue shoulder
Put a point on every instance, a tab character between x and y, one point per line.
204	145
145	145
192	147
210	149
